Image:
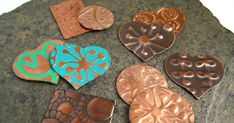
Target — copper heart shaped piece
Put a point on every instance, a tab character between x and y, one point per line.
146	40
197	74
138	78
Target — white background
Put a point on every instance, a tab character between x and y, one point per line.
222	9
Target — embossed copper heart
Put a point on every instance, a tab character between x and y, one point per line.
34	64
80	65
197	74
138	78
172	17
146	40
160	105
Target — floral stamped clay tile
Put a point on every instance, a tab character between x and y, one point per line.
145	40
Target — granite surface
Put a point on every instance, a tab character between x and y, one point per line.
26	27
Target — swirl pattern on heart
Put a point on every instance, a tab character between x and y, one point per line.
80	65
34	64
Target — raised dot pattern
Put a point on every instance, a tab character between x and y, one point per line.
72	107
197	74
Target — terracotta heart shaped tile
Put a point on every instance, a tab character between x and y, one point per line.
34	64
146	40
197	74
80	65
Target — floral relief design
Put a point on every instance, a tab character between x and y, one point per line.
146	40
160	105
80	65
138	78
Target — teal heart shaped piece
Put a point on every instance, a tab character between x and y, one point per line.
80	65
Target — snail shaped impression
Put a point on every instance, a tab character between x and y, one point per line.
34	64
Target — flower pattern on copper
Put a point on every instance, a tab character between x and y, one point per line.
80	65
146	40
136	79
160	105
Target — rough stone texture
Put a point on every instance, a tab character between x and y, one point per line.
27	26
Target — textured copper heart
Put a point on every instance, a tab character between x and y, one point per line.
197	74
160	105
172	17
146	40
136	79
145	17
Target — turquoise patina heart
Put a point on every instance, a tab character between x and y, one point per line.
80	65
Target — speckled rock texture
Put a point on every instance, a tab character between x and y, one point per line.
26	27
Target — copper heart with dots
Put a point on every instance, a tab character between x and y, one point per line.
197	74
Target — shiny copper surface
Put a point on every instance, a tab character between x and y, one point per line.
146	40
66	14
136	79
96	18
72	107
145	17
172	17
160	105
197	74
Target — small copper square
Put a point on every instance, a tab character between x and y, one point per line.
66	15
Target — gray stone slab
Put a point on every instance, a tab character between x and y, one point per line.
26	27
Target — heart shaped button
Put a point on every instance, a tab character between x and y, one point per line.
34	64
146	40
80	65
197	74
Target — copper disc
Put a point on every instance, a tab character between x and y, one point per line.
136	79
96	18
145	17
172	17
160	105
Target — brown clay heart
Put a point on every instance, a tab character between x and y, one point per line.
197	74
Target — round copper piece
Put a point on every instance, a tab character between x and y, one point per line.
96	18
136	79
160	105
145	17
172	17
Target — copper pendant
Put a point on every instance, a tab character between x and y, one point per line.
136	79
145	40
145	17
171	17
160	105
197	74
96	18
72	107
